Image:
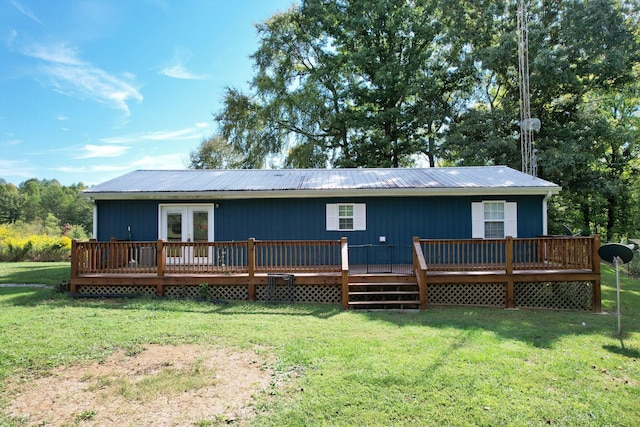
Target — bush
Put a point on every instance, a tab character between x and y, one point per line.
36	247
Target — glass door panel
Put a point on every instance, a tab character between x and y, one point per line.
174	227
200	230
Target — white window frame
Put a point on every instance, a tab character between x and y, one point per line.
359	216
478	218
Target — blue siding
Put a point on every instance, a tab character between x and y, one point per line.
114	216
396	218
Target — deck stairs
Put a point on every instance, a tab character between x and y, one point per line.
383	292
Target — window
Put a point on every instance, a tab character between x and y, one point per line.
494	219
346	217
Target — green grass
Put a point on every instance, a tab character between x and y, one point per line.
442	366
47	273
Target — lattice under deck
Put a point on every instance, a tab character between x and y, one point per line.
554	295
224	293
117	290
481	294
308	293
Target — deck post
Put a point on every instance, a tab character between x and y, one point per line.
595	267
344	252
161	258
160	266
251	267
509	271
74	265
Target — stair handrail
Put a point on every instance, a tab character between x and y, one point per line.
420	269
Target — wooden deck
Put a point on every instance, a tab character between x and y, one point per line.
507	273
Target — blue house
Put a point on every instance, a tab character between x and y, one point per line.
368	206
365	238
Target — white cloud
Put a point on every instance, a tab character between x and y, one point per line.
176	68
165	161
11	142
25	11
177	71
71	76
15	168
194	132
92	151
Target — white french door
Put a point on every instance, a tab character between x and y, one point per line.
187	223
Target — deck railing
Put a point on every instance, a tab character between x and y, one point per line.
509	254
252	256
297	256
247	257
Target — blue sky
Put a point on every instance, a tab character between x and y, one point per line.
93	89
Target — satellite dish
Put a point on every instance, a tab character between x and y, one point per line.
614	253
612	250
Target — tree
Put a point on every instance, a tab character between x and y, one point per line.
582	57
349	84
11	202
215	153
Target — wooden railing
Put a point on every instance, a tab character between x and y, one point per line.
297	256
253	257
205	257
557	253
248	257
509	254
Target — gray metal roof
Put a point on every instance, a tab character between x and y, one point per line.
247	183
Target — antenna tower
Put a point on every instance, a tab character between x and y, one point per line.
527	124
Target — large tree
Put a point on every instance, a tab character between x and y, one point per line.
214	153
350	83
583	57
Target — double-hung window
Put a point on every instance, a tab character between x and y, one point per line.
346	217
494	219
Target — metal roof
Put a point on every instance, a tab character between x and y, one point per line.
248	183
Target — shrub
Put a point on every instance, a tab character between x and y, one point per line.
40	247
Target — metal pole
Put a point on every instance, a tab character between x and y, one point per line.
617	261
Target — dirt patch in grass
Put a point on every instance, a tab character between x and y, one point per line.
152	385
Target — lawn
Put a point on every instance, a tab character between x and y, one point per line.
442	366
44	273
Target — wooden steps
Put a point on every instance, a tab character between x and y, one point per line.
384	293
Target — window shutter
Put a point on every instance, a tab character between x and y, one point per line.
359	216
477	220
332	217
511	219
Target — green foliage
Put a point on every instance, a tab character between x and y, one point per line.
214	153
39	219
15	245
354	84
46	203
204	291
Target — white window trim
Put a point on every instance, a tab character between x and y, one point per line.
510	218
359	216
